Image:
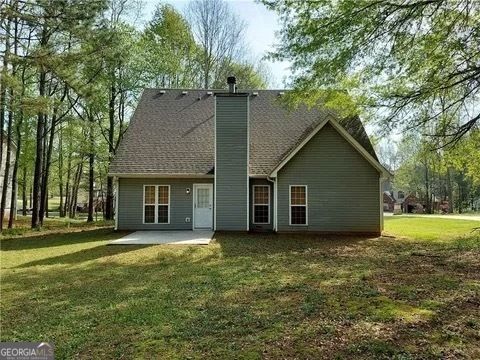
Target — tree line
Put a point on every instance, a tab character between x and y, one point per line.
410	68
436	173
71	74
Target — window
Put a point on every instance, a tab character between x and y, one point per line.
149	207
156	204
298	205
261	204
203	198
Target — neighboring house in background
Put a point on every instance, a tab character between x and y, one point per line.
410	202
393	200
388	202
406	202
414	204
2	174
230	161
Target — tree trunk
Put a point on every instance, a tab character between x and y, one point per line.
37	176
102	197
74	201
450	191
91	159
18	132
60	206
111	150
46	172
46	203
72	194
6	172
427	189
13	201
60	172
75	187
66	209
24	190
460	198
3	91
109	199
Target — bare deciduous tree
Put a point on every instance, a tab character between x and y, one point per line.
219	32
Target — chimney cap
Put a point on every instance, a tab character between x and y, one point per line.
231	80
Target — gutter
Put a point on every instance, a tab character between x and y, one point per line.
274	182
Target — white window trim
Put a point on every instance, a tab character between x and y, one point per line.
253	205
156	205
290	205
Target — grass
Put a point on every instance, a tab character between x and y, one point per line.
53	203
249	296
50	226
425	228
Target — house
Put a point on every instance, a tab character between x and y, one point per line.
388	201
243	161
412	204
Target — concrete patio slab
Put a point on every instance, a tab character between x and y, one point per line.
185	237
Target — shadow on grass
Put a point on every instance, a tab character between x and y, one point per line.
85	255
51	240
254	244
243	298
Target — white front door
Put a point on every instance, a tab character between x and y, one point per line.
202	206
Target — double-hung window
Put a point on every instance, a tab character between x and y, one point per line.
156	204
298	205
261	204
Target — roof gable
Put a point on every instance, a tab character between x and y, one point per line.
344	133
172	132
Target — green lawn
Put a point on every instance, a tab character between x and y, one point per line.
249	296
425	228
53	203
50	225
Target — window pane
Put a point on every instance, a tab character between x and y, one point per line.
149	194
163	214
149	214
260	215
297	195
260	195
299	215
163	195
203	198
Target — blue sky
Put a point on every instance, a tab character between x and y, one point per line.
260	36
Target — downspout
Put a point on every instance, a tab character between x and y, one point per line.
380	185
117	193
274	182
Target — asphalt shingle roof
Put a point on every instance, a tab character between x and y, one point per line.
173	133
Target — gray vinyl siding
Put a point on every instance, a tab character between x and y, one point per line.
343	187
261	227
130	205
231	166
